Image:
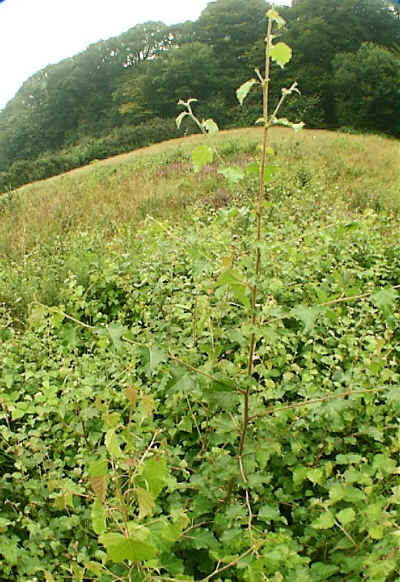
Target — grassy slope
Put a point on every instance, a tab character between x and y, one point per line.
359	169
351	172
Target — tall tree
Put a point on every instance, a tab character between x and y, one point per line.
367	86
230	28
317	31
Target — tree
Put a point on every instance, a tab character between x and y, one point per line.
230	28
367	89
182	72
317	31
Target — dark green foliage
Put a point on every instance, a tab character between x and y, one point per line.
120	140
365	89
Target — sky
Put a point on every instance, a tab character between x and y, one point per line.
36	33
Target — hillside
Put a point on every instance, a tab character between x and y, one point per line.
121	93
125	324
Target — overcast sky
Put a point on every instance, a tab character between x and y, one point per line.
35	33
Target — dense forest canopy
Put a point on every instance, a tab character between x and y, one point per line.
345	59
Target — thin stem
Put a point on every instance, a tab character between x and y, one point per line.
260	200
273	410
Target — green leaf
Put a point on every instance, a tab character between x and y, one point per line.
98	468
307	315
112	444
98	517
146	502
281	53
269	171
201	156
324	521
346	516
210	126
384	300
244	89
233	174
156	357
316	475
116	331
180	118
94	567
268	513
384	464
376	532
238	289
132	395
147	404
137	547
253	169
273	15
154	472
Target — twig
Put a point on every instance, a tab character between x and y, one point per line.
192	368
273	410
233	563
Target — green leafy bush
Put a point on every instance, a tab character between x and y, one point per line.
120	140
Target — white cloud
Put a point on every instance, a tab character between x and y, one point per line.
35	33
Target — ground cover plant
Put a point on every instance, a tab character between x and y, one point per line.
124	390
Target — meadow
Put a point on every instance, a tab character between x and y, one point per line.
124	320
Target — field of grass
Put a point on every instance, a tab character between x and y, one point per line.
125	325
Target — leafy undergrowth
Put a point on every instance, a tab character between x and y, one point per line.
121	403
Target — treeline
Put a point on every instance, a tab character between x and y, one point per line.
122	93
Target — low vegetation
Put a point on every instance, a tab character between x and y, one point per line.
120	343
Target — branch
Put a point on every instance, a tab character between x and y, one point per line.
273	410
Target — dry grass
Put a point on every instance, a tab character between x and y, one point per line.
362	170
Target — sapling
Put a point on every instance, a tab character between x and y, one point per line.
281	53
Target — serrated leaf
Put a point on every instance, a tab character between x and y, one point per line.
145	501
273	15
253	169
384	300
210	126
324	521
136	548
269	171
268	513
112	444
307	315
154	472
132	395
98	468
94	567
148	405
238	289
116	331
180	118
346	515
243	90
233	174
376	532
315	475
98	517
201	156
99	486
281	53
156	357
